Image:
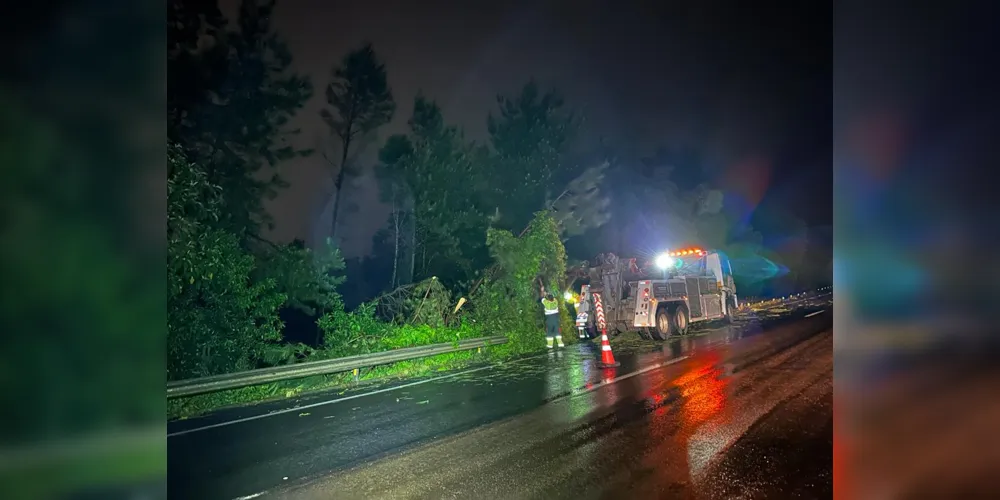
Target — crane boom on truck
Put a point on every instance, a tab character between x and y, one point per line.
658	298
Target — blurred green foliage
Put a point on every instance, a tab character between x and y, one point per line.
72	293
82	260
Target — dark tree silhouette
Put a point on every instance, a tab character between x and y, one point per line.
360	101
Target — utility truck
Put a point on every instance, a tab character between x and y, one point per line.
657	298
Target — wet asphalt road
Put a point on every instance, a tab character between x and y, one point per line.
740	411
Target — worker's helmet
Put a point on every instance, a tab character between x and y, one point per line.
549	296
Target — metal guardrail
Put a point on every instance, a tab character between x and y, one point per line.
749	302
203	385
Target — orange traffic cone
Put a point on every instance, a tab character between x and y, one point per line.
607	358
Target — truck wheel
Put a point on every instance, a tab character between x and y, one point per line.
679	321
730	310
663	325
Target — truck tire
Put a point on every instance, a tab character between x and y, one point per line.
730	310
647	333
662	329
679	321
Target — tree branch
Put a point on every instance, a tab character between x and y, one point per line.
262	240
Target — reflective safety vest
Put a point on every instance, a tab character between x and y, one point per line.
551	306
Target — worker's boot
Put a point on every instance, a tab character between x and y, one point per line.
559	341
548	342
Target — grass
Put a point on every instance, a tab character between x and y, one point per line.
181	408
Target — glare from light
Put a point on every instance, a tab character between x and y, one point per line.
568	296
663	261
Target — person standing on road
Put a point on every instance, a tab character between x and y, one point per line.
551	306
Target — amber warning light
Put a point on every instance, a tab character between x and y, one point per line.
684	253
667	260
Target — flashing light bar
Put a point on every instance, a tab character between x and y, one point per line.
682	253
668	259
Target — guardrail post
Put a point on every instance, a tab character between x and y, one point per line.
356	377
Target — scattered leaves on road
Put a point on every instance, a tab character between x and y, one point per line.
304	414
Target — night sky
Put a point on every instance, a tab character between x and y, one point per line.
748	86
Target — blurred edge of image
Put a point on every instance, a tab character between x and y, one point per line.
84	203
912	272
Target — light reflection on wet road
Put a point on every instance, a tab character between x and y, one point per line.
556	426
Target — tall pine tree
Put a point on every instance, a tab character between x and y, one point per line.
360	101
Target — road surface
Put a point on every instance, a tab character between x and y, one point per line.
744	411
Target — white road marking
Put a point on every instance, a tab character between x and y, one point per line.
815	313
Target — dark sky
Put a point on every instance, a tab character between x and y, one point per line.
747	85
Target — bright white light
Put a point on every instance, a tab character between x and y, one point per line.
664	261
568	296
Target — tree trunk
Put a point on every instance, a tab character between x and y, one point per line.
337	185
395	238
423	260
413	248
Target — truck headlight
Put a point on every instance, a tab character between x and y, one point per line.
664	261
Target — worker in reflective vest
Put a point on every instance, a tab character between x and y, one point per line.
551	306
